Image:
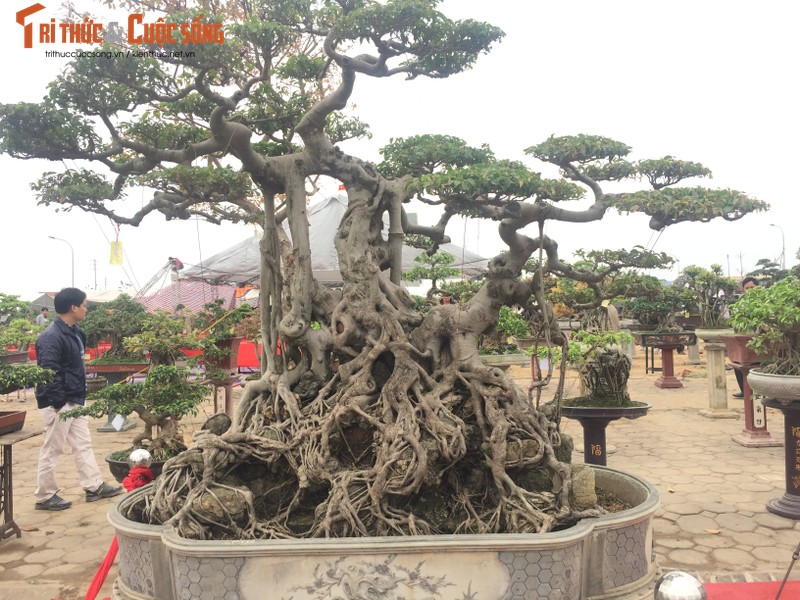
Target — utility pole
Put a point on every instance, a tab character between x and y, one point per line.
72	255
783	247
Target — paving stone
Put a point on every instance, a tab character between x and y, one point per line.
773	521
26	571
752	538
732	556
770	554
696	524
688	557
670	516
719	507
12	555
685	509
673	543
665	528
714	541
44	556
756	486
726	469
735	522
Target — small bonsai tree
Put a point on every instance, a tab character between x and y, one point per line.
19	333
654	304
461	289
22	376
605	368
121	318
597	278
773	315
510	323
165	396
435	267
712	292
11	307
162	336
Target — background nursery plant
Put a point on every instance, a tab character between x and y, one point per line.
773	315
160	401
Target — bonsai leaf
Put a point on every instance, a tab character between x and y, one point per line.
675	205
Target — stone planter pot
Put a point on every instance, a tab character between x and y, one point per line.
712	336
529	342
785	388
503	361
609	557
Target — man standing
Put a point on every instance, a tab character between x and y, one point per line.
747	284
61	348
41	318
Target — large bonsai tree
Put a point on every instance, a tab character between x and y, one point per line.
375	420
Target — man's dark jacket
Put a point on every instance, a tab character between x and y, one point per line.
58	349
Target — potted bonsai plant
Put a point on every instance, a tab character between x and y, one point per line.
165	396
772	315
655	306
161	339
712	292
17	334
14	378
436	267
604	370
111	323
498	349
114	321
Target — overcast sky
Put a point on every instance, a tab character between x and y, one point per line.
712	82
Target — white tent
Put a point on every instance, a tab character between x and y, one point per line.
240	263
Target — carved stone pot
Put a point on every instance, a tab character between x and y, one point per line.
606	557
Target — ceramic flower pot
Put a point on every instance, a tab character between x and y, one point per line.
785	388
738	351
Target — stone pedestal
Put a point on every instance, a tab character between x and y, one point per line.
693	354
667	378
754	434
667	342
717	388
788	505
594	420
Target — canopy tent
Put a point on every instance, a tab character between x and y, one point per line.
194	295
241	263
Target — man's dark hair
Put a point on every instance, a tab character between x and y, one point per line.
44	308
67	298
752	280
